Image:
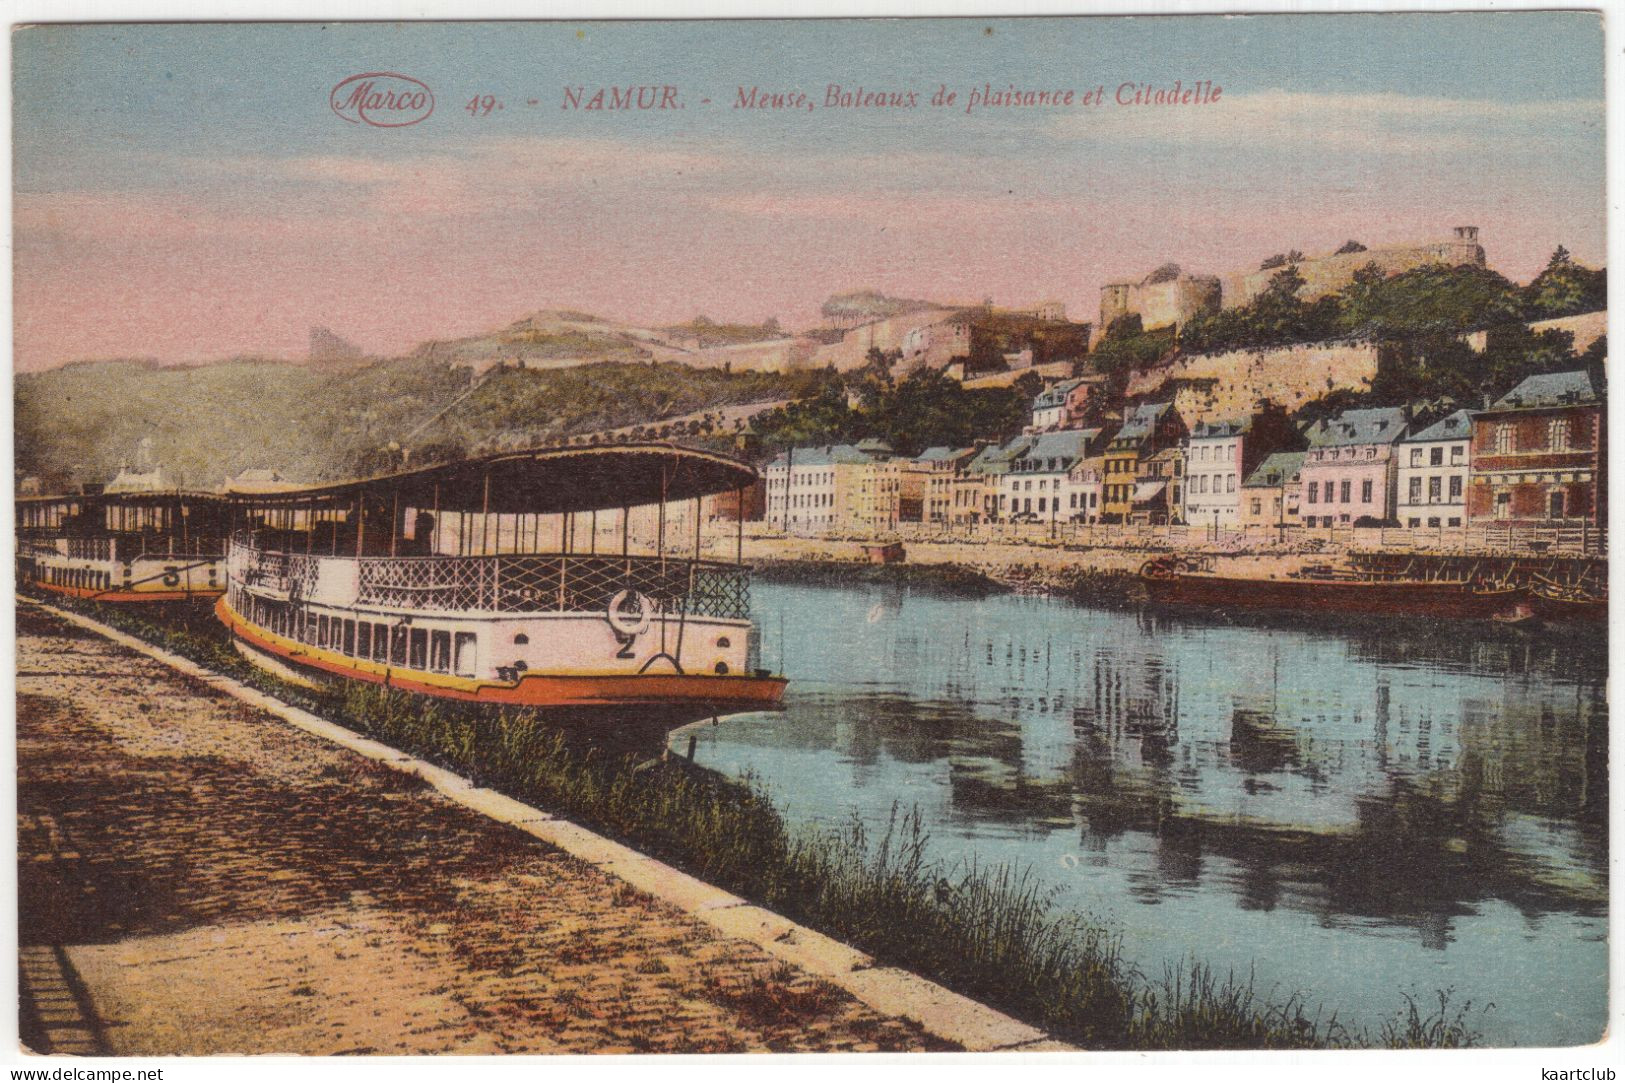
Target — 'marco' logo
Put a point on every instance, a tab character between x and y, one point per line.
383	99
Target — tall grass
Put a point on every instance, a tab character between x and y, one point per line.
991	933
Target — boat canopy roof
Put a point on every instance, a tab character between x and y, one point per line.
541	481
146	498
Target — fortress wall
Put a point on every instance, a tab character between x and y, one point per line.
889	334
1328	274
1229	384
1587	327
777	355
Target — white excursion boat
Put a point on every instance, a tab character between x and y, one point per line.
138	547
437	581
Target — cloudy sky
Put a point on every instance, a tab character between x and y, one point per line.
187	193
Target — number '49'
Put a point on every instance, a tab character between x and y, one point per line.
482	104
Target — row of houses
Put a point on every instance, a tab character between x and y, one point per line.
1535	456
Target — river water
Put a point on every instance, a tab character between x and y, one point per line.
1348	810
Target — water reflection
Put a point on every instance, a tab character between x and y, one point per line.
1434	790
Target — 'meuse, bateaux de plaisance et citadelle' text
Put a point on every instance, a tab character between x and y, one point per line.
982	98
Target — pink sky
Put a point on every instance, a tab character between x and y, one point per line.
217	257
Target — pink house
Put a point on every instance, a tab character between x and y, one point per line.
1349	471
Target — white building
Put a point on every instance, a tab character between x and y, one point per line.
1085	485
1433	466
1214	473
805	487
1039	478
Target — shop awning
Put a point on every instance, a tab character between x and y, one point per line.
1147	491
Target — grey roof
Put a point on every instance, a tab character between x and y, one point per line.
996	459
1277	469
874	445
1205	429
1069	445
1055	395
1458	426
1550	389
828	455
1380	425
939	454
1139	424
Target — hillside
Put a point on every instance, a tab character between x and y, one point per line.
81	422
553	339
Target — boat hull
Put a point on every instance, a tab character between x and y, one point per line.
690	695
1374	597
1570	611
121	597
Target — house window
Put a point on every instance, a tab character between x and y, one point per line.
1436	458
1413	522
1416	456
1456	453
1557	438
1230	483
1455	489
1314	490
1347	486
1555	504
1433	521
1503	439
1503	505
1416	490
1257	507
1455	522
1365	491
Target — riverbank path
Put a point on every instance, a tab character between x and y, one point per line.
197	877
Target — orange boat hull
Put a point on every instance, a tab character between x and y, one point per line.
695	694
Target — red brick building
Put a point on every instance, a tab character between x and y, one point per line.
751	500
1539	455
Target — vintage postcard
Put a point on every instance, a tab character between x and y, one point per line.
995	535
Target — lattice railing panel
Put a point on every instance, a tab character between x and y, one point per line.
552	584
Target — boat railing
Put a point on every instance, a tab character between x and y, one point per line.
507	582
90	548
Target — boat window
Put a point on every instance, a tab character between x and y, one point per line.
349	638
724	642
420	649
521	640
440	652
321	631
397	647
465	654
363	640
380	643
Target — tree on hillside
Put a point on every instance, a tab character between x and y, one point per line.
1349	248
1127	345
1281	259
1565	288
1431	300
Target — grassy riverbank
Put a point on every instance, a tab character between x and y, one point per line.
990	933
